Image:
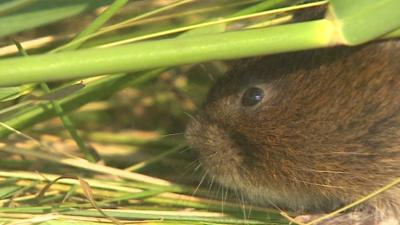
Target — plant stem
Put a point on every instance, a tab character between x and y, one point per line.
165	53
364	20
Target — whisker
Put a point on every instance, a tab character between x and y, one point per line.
211	184
197	167
224	197
183	150
325	171
243	206
250	211
216	194
191	117
316	184
347	153
172	134
276	207
193	167
200	183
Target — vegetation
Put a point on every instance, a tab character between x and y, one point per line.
95	95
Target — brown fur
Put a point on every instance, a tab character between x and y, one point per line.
326	133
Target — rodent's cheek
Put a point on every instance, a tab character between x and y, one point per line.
219	154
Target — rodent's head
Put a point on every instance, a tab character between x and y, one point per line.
217	133
268	125
247	134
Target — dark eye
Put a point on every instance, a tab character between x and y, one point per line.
252	96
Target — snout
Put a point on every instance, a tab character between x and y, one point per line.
218	152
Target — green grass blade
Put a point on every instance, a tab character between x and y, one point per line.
359	21
11	6
88	35
97	90
44	12
267	4
11	93
96	24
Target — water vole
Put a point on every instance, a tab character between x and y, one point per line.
308	131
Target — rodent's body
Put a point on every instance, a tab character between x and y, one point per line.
326	132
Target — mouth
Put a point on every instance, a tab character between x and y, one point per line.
222	155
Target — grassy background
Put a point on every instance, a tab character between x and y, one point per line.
135	124
110	149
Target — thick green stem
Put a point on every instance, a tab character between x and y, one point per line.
165	53
363	20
